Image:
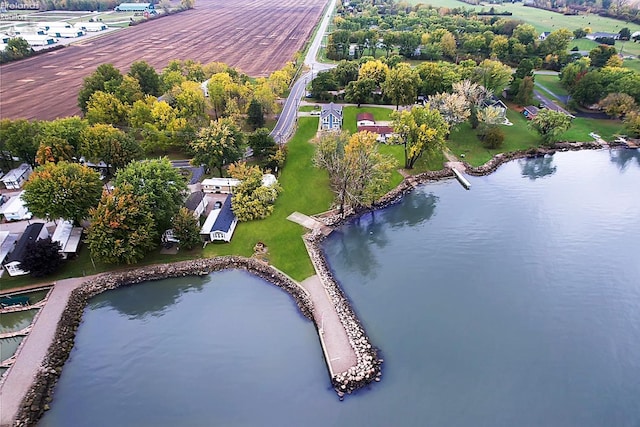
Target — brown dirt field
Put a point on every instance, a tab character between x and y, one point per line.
255	36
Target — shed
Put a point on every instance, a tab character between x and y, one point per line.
220	224
32	233
14	179
530	112
365	119
134	7
331	117
219	185
69	238
15	210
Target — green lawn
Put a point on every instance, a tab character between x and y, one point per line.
306	189
581	128
552	83
517	137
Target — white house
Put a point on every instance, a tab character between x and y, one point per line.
219	185
220	224
69	238
15	210
365	119
331	117
14	179
32	233
544	35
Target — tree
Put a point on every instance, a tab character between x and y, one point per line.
600	55
186	229
218	94
322	84
42	257
550	124
255	115
20	138
358	173
63	190
524	96
160	183
624	33
493	75
18	48
618	105
252	200
437	77
105	108
525	34
374	70
401	85
217	145
262	143
492	136
122	229
588	89
421	130
54	149
346	72
573	72
359	91
147	77
556	43
453	107
67	128
475	95
632	123
106	78
105	143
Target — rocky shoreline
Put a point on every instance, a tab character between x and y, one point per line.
40	394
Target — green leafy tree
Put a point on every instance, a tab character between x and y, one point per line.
262	143
54	149
67	128
346	72
600	55
589	88
492	136
18	48
42	258
20	138
102	142
632	123
106	78
122	228
617	105
624	33
573	72
437	77
147	78
255	115
160	183
493	75
401	85
359	91
358	173
421	130
556	43
106	108
252	200
186	229
63	190
218	145
524	96
550	124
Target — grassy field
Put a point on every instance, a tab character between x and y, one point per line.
581	128
380	114
305	190
552	83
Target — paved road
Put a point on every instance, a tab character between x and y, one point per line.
286	122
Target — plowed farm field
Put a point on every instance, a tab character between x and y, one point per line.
255	36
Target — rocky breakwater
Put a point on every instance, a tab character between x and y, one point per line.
368	366
37	399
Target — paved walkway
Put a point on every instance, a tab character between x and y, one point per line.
453	162
338	351
34	348
308	222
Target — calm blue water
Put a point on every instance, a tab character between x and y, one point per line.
514	304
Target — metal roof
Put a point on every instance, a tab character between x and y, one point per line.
30	234
220	219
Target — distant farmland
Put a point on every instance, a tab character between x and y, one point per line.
255	36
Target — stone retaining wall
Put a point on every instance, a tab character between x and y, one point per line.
40	394
367	368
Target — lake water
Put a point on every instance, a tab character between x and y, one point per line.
516	303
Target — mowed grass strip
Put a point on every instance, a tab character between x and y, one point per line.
306	190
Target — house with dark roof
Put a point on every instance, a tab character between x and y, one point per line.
32	233
196	203
495	102
220	224
530	112
331	117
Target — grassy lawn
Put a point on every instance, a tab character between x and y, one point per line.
582	127
306	189
517	137
380	114
632	64
552	83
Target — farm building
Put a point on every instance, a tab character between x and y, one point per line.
134	7
15	210
600	35
220	224
32	233
69	238
38	39
331	117
219	185
90	26
65	32
14	179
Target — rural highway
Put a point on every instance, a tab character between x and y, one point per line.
287	121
